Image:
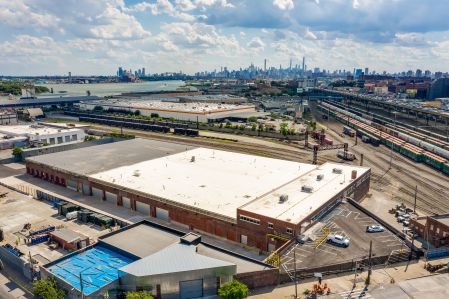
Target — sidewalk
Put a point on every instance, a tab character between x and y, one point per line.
380	285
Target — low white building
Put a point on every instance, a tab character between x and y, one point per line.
190	111
43	134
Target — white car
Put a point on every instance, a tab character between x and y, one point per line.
338	240
374	229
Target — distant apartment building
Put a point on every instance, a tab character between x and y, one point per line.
439	89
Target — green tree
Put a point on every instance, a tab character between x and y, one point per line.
254	127
233	290
17	151
47	289
139	295
284	128
252	119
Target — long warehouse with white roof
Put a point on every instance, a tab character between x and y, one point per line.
257	201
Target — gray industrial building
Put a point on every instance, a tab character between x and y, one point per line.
163	261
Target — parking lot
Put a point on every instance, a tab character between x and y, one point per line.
348	221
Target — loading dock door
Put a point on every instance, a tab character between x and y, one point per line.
111	197
162	214
71	184
143	208
126	202
86	189
191	289
97	193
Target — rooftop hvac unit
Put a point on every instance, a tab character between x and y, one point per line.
283	198
307	189
192	159
337	170
319	177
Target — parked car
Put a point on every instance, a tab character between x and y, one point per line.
406	222
400	219
301	239
374	229
338	240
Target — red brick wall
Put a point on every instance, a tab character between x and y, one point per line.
259	279
256	234
434	231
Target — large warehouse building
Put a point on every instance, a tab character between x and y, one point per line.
257	201
171	108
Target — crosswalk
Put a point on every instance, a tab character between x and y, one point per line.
355	293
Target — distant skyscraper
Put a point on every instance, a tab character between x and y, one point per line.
143	72
290	64
304	63
265	65
366	71
357	73
418	73
70	77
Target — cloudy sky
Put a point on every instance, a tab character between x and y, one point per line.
96	36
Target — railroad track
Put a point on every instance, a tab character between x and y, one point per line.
430	199
298	154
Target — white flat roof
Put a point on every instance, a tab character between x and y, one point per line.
301	204
217	181
33	130
191	107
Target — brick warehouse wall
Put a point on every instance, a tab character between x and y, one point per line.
257	279
257	235
434	231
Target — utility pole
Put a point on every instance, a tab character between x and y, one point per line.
416	195
369	259
361	159
355	274
294	266
81	286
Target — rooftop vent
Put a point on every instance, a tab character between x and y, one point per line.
283	198
337	170
191	239
192	159
319	177
307	189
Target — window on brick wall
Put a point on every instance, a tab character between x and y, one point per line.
270	225
250	219
289	231
438	230
431	227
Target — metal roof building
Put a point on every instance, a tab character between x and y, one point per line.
161	260
39	102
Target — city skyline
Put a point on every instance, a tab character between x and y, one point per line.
95	37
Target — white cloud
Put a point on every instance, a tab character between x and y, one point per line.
31	47
256	43
18	14
185	5
115	24
284	4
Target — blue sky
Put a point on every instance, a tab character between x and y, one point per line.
96	36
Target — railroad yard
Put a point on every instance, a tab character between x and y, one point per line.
398	183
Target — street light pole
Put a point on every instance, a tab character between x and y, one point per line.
81	285
391	152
